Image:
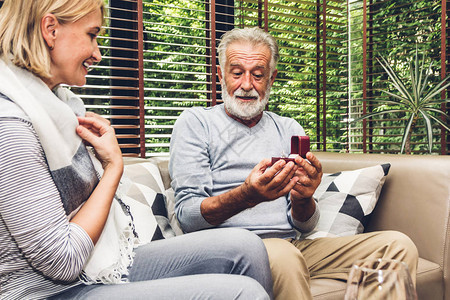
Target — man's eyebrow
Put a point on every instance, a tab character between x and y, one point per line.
240	65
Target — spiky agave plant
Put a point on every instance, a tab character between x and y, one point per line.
417	101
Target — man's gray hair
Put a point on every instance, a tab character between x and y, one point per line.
253	35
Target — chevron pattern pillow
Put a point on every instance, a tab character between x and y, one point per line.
145	185
346	199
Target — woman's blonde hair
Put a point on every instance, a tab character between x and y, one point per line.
21	38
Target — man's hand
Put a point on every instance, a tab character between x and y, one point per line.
309	177
263	184
266	184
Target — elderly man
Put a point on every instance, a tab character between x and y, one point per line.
222	175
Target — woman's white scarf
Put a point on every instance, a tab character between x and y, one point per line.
75	171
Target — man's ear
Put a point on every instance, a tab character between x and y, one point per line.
49	25
219	73
272	78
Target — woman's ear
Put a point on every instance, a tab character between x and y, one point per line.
49	24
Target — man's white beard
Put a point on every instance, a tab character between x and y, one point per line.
244	110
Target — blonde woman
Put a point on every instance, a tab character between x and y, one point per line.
55	197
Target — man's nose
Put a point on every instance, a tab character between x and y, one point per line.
246	83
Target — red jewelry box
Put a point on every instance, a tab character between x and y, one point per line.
299	145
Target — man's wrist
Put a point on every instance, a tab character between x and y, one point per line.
245	196
302	201
310	223
303	209
216	209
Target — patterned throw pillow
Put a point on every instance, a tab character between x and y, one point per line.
145	185
171	212
346	200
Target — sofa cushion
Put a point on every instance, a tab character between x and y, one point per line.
143	182
346	199
328	289
429	282
171	212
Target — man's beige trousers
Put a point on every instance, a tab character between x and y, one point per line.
293	263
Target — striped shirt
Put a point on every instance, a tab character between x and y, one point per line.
41	253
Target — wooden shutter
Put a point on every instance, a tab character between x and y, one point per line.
390	29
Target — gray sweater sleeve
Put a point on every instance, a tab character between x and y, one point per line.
192	180
307	225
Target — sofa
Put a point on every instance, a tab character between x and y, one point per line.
415	200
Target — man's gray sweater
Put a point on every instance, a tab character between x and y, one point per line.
211	153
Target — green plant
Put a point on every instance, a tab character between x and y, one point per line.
417	100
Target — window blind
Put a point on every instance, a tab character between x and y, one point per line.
177	66
113	86
391	29
180	61
159	58
311	73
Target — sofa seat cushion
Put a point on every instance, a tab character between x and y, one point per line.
429	280
328	289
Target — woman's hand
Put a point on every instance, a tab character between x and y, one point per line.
98	133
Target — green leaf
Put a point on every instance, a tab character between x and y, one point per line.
437	111
419	80
414	74
437	102
416	65
378	113
436	90
405	133
429	129
425	82
398	84
437	120
395	96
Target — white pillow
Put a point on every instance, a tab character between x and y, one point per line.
346	199
170	194
142	181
